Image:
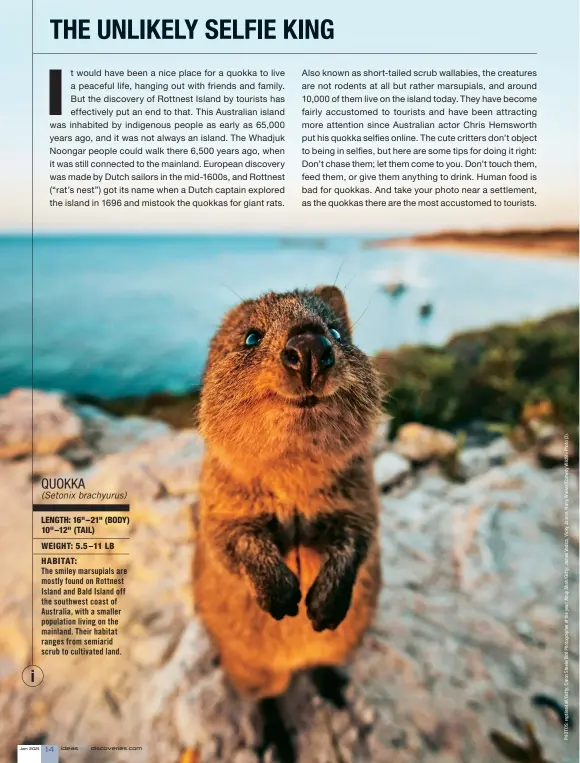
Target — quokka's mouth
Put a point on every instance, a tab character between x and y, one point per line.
309	401
303	401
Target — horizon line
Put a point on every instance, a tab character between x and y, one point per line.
19	233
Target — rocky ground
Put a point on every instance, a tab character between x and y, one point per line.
469	630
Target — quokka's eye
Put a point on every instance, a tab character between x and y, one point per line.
253	338
336	334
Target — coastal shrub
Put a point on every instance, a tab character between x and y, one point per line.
489	374
177	410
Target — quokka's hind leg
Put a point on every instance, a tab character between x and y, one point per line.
254	682
265	686
275	733
330	683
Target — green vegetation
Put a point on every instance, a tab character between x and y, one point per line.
490	375
179	411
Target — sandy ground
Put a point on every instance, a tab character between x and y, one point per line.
539	243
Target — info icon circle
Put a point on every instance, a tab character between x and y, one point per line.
32	675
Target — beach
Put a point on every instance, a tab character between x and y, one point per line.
548	242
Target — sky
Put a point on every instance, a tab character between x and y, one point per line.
383	31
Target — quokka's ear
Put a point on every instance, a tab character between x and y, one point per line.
334	298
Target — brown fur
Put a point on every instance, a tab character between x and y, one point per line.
287	559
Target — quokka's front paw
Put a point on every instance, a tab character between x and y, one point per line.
328	601
278	593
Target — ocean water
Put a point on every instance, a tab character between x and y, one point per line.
118	315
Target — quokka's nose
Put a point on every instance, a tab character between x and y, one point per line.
309	355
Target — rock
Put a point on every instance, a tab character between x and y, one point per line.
150	652
500	451
79	455
389	469
177	461
525	631
349	737
519	670
380	441
114	474
433	484
245	756
365	714
475	461
552	442
51	465
420	443
472	462
26	412
193	707
165	465
555	446
110	434
545	619
543	431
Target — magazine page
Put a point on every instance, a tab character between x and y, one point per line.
289	382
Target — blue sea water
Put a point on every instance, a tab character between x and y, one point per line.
118	315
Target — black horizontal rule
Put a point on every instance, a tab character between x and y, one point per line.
80	507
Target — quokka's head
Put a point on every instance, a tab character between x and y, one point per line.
283	378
